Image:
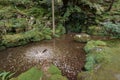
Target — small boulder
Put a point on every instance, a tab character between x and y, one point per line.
82	37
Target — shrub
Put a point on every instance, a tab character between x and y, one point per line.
47	33
96	30
25	3
12	40
60	29
96	54
112	29
90	61
92	44
36	12
6	12
33	35
23	38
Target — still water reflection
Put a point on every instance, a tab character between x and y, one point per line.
64	52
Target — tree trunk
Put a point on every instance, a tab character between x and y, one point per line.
110	7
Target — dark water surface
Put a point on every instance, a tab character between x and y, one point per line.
64	52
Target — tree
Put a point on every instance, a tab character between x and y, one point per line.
110	7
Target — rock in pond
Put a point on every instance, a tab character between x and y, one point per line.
83	37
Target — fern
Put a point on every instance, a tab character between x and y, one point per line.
5	75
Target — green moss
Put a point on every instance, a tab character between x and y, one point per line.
107	71
35	74
57	77
31	74
96	54
54	70
92	44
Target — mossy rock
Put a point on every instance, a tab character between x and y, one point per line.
82	37
96	54
93	44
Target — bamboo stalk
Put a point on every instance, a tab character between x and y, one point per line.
53	17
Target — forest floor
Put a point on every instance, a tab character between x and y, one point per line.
110	70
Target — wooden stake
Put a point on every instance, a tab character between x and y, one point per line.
53	17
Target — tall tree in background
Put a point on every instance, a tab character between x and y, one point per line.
110	7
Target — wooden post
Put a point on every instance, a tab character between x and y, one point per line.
53	17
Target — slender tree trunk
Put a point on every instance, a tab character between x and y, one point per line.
53	17
111	5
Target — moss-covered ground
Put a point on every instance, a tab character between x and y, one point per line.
52	73
107	71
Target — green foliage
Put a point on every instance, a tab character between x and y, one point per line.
12	40
5	75
60	30
92	44
74	18
96	30
6	12
96	54
19	22
25	3
71	9
54	70
112	29
89	62
29	36
47	32
33	35
36	12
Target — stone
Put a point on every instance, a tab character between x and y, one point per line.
83	37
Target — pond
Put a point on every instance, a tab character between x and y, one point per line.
63	52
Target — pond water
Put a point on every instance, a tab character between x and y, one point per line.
64	52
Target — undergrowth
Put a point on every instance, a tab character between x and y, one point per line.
96	54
